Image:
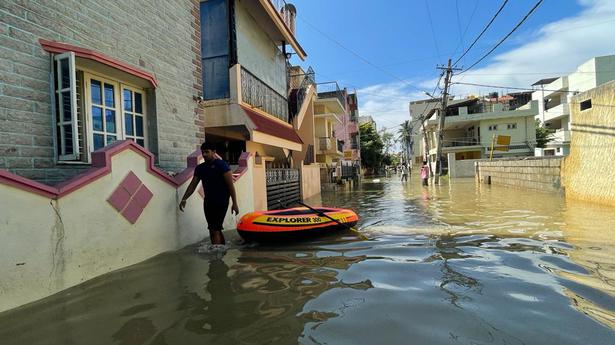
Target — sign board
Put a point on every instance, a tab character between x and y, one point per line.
503	143
348	154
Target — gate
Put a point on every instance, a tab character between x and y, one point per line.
283	187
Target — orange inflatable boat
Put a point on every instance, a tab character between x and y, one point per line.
294	223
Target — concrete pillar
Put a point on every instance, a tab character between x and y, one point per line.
452	166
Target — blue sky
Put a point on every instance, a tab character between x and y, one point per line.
388	49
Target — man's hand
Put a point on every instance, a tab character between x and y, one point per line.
234	209
182	204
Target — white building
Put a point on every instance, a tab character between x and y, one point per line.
554	97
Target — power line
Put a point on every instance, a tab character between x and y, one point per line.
482	32
458	23
505	37
467	27
356	54
433	33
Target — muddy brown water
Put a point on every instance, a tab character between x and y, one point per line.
459	263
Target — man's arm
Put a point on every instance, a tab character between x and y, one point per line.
191	187
228	178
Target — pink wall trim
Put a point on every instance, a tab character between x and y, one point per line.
101	166
243	165
58	47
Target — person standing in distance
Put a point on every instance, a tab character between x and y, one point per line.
425	173
217	180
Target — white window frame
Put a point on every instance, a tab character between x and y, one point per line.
119	87
512	126
88	141
142	114
58	117
87	83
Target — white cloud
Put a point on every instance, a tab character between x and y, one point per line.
555	49
387	103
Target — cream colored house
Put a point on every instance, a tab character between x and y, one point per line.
246	78
329	110
471	126
554	96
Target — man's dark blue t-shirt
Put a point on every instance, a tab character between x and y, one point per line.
212	177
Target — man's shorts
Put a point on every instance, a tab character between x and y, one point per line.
214	214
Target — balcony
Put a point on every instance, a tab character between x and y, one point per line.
331	91
560	84
300	83
259	95
561	136
461	144
556	112
330	145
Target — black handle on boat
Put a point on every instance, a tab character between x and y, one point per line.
322	214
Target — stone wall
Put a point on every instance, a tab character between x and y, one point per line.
536	173
159	37
589	169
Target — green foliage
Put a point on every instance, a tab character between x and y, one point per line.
371	147
543	135
387	141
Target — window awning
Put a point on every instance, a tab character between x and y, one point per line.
58	48
271	132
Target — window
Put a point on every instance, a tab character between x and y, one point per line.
586	104
511	126
493	127
93	111
66	107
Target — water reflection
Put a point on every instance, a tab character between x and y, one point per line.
454	264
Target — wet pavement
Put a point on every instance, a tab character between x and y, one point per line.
459	263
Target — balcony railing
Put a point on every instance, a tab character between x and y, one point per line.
465	141
330	90
324	144
557	112
259	95
298	94
340	146
561	136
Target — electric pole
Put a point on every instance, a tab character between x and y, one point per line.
441	118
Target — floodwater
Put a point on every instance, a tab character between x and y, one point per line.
459	263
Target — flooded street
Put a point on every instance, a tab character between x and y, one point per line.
459	263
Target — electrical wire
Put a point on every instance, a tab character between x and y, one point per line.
315	28
505	37
433	32
482	32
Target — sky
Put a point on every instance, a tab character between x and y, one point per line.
388	50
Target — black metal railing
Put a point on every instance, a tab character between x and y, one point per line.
331	90
298	94
260	95
309	155
283	187
340	146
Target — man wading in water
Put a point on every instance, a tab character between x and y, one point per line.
218	187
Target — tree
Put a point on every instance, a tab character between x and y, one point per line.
404	134
543	135
371	147
387	140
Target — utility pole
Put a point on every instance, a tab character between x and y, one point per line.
441	117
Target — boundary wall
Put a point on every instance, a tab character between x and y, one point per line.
538	173
122	211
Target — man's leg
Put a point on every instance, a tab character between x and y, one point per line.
216	237
214	214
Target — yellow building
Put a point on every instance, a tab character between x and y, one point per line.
588	170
